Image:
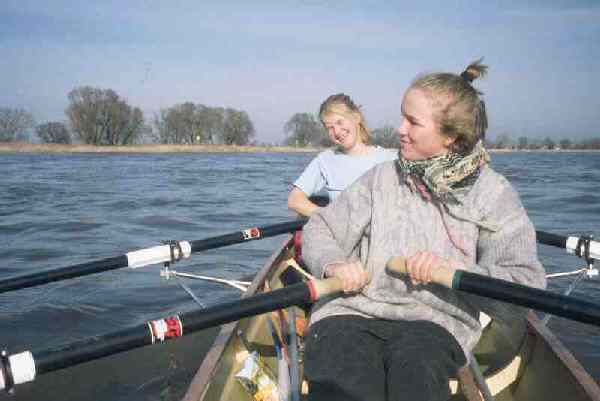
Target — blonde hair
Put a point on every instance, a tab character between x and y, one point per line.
458	109
343	105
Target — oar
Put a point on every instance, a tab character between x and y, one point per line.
502	290
183	249
580	246
24	366
148	256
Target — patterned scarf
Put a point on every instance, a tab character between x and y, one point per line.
446	177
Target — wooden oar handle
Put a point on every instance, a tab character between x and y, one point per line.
442	276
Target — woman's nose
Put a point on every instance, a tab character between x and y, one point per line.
403	128
401	131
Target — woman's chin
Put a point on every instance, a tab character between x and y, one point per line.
407	155
347	147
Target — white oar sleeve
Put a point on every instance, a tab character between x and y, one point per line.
157	254
22	367
594	247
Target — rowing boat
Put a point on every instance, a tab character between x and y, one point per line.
263	332
526	362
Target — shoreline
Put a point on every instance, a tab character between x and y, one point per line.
543	150
24	147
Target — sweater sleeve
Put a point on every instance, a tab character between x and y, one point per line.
511	252
333	234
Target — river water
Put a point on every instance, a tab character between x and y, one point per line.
61	209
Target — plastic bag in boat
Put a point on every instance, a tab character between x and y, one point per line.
258	380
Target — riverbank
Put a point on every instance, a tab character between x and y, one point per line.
22	147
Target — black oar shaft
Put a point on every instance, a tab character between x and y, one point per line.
92	348
506	291
98	266
100	346
243	236
541	300
49	276
546	238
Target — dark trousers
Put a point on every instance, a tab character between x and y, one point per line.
351	358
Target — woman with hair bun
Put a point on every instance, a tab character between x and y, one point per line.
441	206
335	169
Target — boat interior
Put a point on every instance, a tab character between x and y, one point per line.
521	362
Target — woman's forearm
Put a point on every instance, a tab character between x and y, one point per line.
299	202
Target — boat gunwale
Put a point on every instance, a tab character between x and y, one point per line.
578	372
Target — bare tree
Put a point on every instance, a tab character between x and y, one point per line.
178	124
523	142
14	122
101	117
237	127
212	122
549	143
189	123
159	127
593	143
566	143
305	129
53	132
504	141
386	137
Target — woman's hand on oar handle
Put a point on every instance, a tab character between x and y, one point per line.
424	267
353	275
322	288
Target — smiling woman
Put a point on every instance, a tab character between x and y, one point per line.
335	169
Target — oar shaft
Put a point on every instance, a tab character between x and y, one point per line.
191	322
245	235
144	257
534	298
49	276
502	290
92	348
550	239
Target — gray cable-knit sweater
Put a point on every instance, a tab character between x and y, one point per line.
379	216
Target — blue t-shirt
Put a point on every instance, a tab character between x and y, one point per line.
334	171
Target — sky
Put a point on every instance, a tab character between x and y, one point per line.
276	58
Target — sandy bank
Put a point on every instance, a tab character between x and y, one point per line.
22	147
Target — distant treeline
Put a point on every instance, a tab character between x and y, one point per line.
101	117
524	143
